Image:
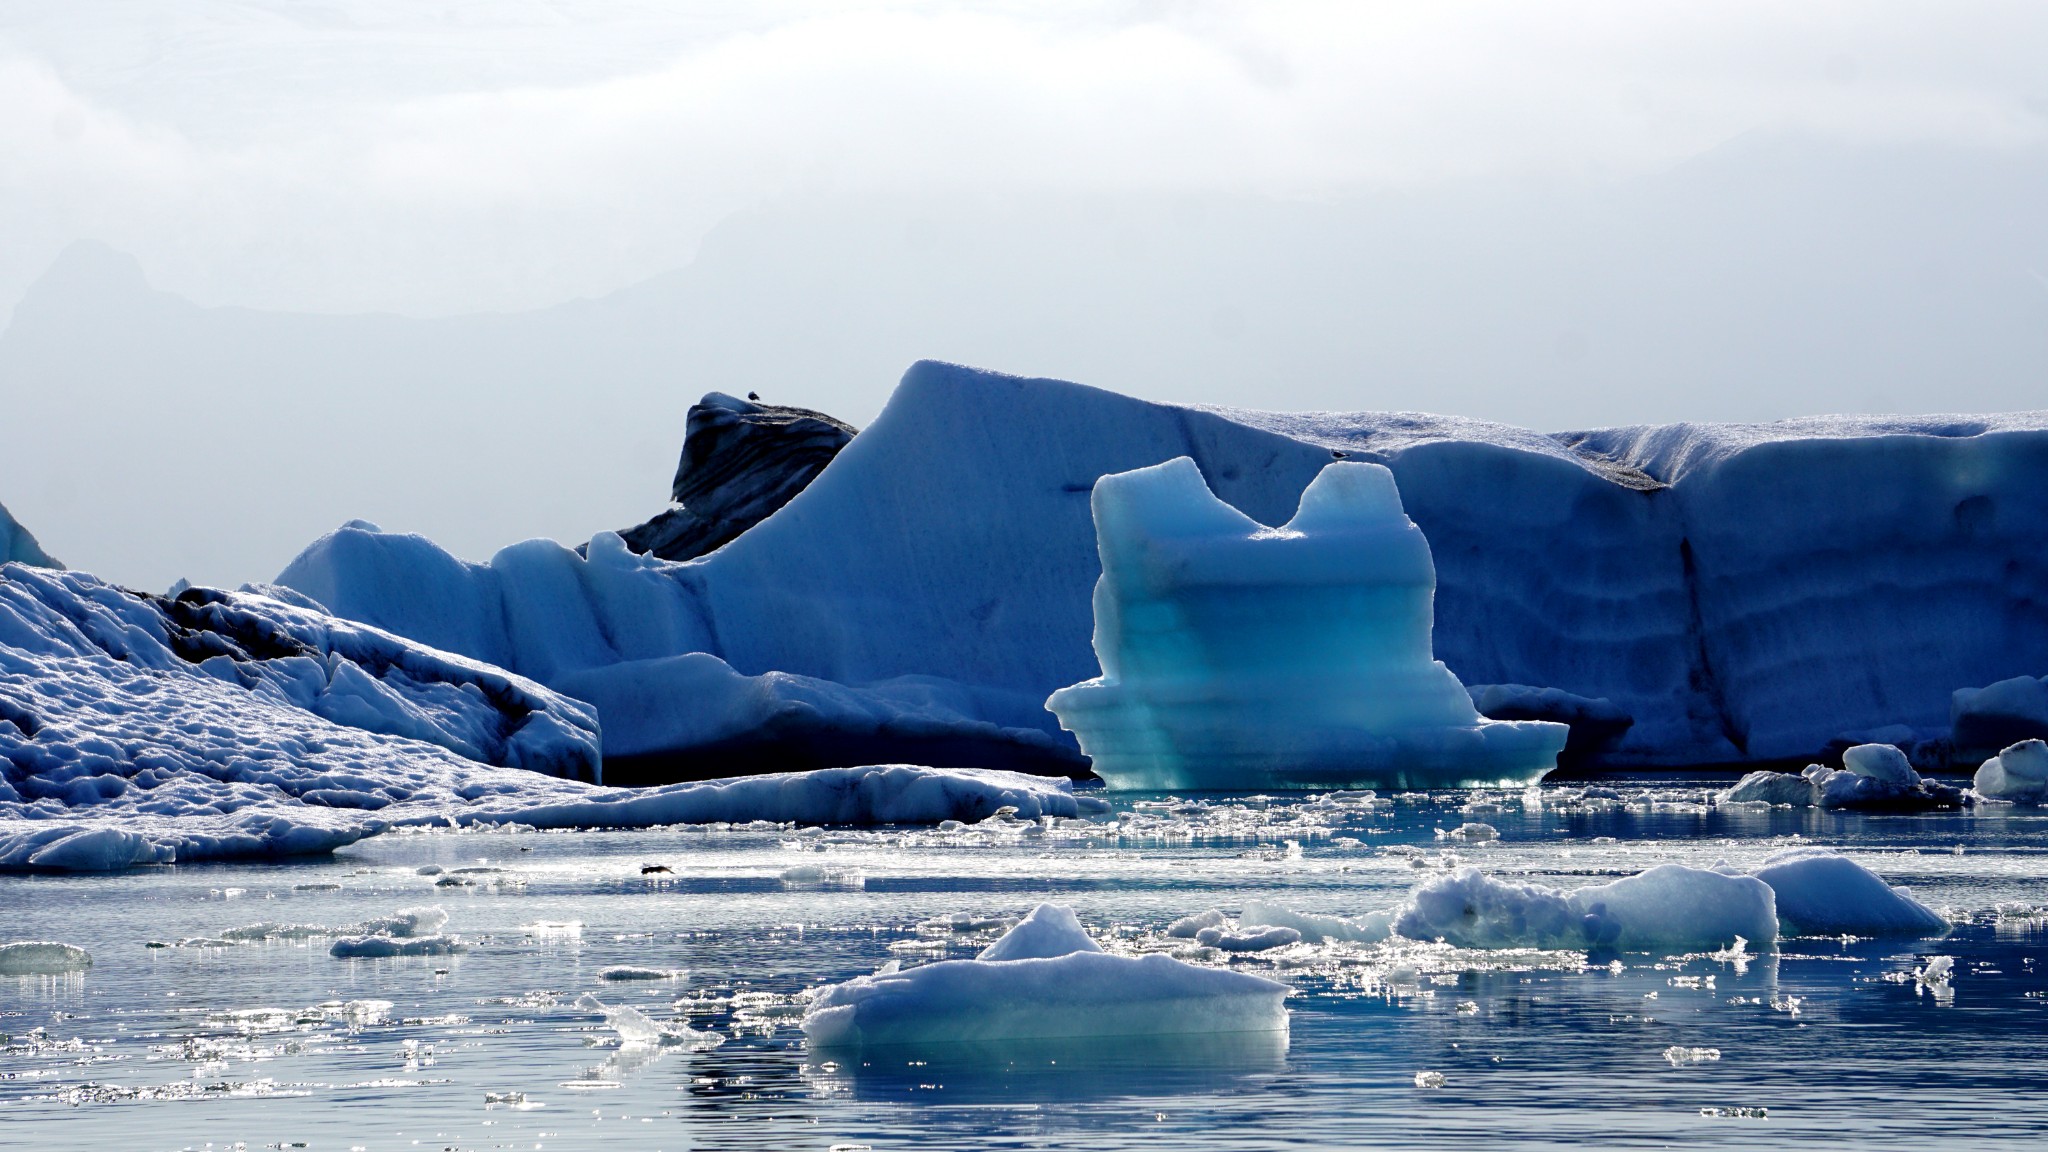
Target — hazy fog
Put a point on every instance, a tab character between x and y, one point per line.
1557	215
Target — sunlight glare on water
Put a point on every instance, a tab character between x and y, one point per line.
215	1014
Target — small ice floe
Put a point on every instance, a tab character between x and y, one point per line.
1820	893
408	932
386	947
634	972
812	876
965	922
1046	979
1933	977
1737	1112
42	958
1471	833
425	920
1187	927
1680	1056
1248	939
637	1028
1429	1080
1669	908
2018	775
1316	929
1777	789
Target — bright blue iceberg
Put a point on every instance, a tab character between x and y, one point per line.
1238	656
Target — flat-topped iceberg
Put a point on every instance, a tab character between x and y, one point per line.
1237	656
1046	979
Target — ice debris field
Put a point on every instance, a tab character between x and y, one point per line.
1040	765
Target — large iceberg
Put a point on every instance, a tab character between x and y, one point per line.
1740	592
140	729
1046	979
1240	656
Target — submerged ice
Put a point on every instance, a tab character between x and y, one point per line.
1239	656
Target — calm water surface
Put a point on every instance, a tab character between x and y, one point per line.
1827	1042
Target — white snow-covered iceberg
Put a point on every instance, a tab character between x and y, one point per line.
1046	979
1238	656
1668	908
1739	592
2017	775
1821	893
140	729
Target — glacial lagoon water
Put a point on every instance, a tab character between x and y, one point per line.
206	1042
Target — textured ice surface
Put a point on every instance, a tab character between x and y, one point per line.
1712	581
1767	787
2019	774
1668	908
1317	929
1061	986
42	958
1237	656
1822	893
1878	776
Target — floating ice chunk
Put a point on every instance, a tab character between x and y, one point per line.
1475	833
2019	774
1429	1079
420	921
1680	1056
1820	893
1316	929
1668	908
1676	908
385	947
1470	909
1186	927
1236	655
634	972
1935	974
636	1028
1077	992
1250	940
42	958
820	876
1775	788
1878	776
1050	930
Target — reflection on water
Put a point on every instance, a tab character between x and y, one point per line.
229	1035
1043	1071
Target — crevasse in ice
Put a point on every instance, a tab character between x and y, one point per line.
1240	656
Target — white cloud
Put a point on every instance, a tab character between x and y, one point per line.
510	156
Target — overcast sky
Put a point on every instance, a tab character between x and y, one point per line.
487	154
1562	214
